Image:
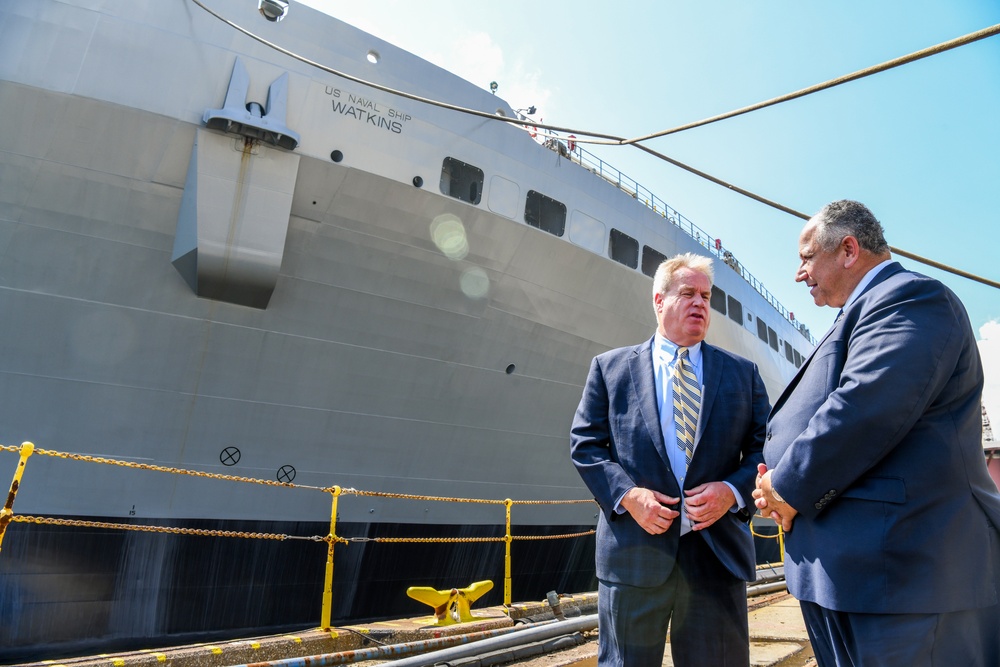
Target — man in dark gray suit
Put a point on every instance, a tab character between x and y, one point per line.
673	415
874	461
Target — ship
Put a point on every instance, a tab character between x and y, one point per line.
228	246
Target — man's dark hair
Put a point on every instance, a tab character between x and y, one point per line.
849	218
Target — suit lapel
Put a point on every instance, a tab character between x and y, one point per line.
711	372
644	389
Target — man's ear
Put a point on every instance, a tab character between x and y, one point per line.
852	251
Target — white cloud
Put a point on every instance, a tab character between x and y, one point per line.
989	351
468	52
475	57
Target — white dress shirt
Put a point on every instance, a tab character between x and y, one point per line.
860	287
664	358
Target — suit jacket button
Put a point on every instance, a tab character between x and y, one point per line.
818	506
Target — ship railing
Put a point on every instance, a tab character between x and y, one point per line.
592	163
27	449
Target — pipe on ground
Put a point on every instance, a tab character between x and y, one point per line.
518	638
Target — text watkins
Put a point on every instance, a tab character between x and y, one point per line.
367	111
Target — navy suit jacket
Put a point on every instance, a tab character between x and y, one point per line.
616	443
877	442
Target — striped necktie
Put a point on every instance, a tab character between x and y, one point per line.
687	403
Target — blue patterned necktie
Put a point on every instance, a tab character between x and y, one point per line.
687	403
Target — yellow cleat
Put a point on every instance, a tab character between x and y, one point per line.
451	606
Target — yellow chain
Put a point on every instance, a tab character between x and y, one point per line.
552	502
427	540
176	471
408	496
762	536
78	523
552	537
288	485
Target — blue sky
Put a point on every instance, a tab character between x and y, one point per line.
920	144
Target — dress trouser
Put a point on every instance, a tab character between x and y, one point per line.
705	605
968	638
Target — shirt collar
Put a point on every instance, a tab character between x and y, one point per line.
860	287
668	349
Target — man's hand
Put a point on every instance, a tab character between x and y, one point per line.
770	504
649	509
706	503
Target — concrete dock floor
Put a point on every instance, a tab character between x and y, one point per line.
777	639
777	632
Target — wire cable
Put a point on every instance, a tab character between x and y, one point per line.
854	76
410	96
614	140
804	216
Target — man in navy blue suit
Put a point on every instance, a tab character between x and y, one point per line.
668	437
875	463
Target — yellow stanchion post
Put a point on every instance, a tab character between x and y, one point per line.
328	577
506	561
7	513
781	545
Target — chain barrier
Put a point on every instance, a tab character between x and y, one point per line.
80	523
176	471
483	501
331	539
529	538
762	535
409	496
501	538
425	540
778	535
27	449
553	502
288	485
207	532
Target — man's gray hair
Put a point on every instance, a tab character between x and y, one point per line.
664	275
844	218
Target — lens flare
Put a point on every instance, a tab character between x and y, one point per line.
475	283
448	235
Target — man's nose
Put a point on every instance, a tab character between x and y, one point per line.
800	273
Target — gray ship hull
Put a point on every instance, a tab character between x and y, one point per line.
325	336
